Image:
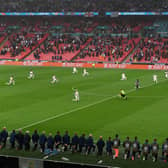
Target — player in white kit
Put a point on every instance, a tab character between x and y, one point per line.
85	73
74	71
155	79
123	76
11	81
54	79
31	75
76	95
166	74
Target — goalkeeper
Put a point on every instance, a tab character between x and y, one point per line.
123	94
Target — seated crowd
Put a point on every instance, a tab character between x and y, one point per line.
112	147
153	50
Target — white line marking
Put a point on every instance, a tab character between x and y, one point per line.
80	108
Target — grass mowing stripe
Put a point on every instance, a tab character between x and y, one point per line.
81	108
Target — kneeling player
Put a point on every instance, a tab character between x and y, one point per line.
85	73
54	79
76	95
123	76
11	81
75	71
155	79
31	75
123	94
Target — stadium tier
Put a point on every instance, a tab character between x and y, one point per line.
83	81
82	5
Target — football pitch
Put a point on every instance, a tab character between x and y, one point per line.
38	104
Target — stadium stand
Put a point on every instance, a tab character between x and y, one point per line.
82	5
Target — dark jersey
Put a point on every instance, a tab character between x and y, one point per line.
135	146
155	148
146	148
127	145
116	143
165	147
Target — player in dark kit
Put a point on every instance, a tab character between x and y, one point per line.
145	150
135	148
165	150
137	84
155	150
116	145
127	148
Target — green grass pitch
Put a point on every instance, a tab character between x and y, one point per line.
37	104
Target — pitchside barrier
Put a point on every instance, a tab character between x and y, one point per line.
86	65
21	162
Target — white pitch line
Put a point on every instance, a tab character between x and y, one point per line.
80	108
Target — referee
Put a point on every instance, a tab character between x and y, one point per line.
123	94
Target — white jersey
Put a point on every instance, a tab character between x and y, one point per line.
31	75
74	70
85	73
123	76
11	81
155	78
76	95
54	79
166	74
11	78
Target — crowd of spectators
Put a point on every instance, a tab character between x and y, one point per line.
82	5
58	46
129	149
18	43
110	43
152	49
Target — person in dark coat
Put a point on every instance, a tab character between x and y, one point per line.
12	139
100	145
109	144
66	141
82	142
50	142
27	139
42	141
20	139
75	143
58	140
4	136
89	144
35	140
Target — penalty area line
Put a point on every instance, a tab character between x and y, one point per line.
80	108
